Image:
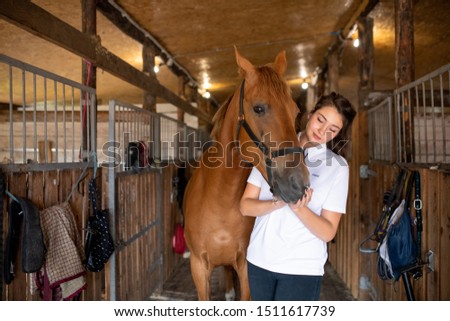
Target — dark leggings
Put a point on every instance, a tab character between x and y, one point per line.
271	286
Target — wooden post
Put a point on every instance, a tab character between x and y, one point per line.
365	36
320	86
404	42
148	64
361	142
333	72
404	66
88	72
202	107
89	27
182	93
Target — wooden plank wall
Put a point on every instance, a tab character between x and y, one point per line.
434	285
143	263
136	232
45	189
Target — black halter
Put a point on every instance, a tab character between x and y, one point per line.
262	147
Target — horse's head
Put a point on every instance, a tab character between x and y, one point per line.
266	127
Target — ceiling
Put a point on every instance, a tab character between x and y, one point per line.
200	36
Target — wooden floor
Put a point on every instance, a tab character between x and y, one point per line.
180	286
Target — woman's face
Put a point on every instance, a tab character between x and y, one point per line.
323	125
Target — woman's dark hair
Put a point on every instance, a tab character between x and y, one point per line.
345	109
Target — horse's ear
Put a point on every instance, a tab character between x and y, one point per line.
246	68
280	63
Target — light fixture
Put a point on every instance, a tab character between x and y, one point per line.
354	36
305	85
206	95
157	67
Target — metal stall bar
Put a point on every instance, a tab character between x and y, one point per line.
30	89
431	117
112	199
380	131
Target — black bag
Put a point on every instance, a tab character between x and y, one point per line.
99	242
391	201
399	250
401	245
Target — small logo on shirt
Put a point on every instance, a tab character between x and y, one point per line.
316	175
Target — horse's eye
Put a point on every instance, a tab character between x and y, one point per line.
259	109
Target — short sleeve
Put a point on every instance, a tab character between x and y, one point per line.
337	196
255	178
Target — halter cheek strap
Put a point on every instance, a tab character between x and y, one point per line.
261	146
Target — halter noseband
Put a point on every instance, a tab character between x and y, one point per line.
262	147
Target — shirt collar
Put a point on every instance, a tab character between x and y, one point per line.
314	151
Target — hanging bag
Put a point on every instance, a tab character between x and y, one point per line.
391	201
400	247
99	242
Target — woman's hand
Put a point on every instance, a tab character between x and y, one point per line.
303	201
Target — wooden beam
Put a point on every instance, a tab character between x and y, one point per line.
41	23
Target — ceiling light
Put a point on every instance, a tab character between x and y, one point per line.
305	85
206	94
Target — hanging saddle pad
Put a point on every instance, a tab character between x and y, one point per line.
24	226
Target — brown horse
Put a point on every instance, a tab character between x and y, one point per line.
254	127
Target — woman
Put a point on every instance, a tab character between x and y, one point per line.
287	250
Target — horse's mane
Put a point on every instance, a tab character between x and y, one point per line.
267	78
218	118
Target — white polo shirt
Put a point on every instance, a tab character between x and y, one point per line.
279	241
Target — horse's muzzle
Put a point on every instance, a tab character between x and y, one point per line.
290	189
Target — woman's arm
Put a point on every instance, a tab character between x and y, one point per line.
250	205
323	226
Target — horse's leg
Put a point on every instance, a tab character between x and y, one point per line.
230	293
241	269
201	273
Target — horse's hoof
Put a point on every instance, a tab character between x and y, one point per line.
230	295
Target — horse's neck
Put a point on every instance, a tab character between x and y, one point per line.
225	169
228	172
